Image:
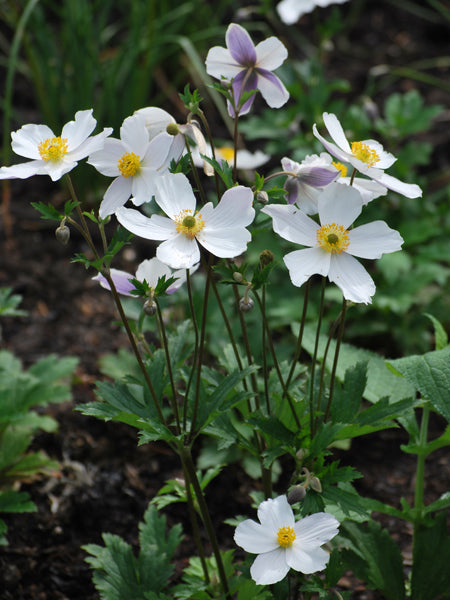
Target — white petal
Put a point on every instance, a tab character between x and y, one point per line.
90	145
250	160
57	169
142	188
106	159
272	89
226	243
315	530
26	140
115	196
291	10
353	279
385	159
255	538
309	561
153	228
410	190
332	148
275	513
134	135
269	567
304	263
373	240
179	252
220	63
173	193
157	152
77	131
121	279
156	119
151	270
339	204
270	54
24	170
234	210
335	130
292	224
368	189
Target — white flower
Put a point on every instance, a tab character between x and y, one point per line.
332	245
135	161
54	155
290	11
283	544
368	189
244	158
221	229
367	156
150	270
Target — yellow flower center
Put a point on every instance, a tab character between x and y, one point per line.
129	164
340	167
333	238
364	153
226	153
189	224
286	536
53	149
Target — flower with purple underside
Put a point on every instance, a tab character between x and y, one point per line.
220	229
290	11
366	156
332	244
249	68
282	543
135	161
54	155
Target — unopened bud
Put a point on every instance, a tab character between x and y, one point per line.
262	197
265	258
296	494
301	454
172	129
246	304
315	484
238	277
62	234
150	307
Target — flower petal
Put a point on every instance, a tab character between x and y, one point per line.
275	513
174	194
115	196
157	152
304	561
121	279
292	224
339	204
315	530
234	210
106	160
156	119
154	228
79	130
240	45
270	54
151	270
410	190
291	10
373	240
26	140
179	252
271	88
23	170
269	567
336	132
220	64
332	148
368	189
304	263
351	277
134	135
253	537
385	159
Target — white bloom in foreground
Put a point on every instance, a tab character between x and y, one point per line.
221	229
244	158
368	189
332	245
54	155
367	156
283	544
290	11
135	161
149	270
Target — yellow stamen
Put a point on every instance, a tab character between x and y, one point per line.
340	167
189	224
364	153
53	149
286	536
226	153
333	238
129	164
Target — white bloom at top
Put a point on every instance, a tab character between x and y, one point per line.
332	245
135	161
54	155
244	158
221	229
290	11
282	543
367	156
249	67
150	270
368	189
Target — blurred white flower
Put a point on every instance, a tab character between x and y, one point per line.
54	155
244	158
332	245
290	11
282	543
368	189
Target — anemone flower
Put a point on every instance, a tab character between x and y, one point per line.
290	11
249	68
244	158
332	245
221	229
282	543
367	156
54	155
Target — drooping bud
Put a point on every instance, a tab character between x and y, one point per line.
262	197
296	494
315	484
246	304
150	307
265	258
238	277
172	129
62	233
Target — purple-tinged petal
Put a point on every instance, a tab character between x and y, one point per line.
318	176
271	88
244	83
121	280
332	148
292	188
220	64
240	45
270	54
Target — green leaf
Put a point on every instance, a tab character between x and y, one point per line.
47	211
430	375
347	398
16	502
440	334
9	303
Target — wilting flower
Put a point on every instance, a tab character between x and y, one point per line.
149	270
221	229
135	161
249	67
290	11
244	158
282	543
332	245
54	155
367	156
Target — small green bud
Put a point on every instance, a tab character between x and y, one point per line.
296	494
315	484
150	307
238	277
265	258
246	304
62	234
172	129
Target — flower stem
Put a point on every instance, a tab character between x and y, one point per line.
420	468
312	419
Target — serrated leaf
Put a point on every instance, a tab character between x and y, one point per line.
47	211
16	502
441	337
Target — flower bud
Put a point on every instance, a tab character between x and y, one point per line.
238	277
315	484
246	304
296	494
150	307
62	234
172	129
262	197
265	258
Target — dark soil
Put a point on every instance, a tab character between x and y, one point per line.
106	481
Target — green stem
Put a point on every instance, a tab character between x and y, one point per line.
312	419
335	360
420	469
298	348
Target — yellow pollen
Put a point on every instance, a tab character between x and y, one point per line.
129	164
333	238
340	167
53	149
189	224
226	153
364	153
286	536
